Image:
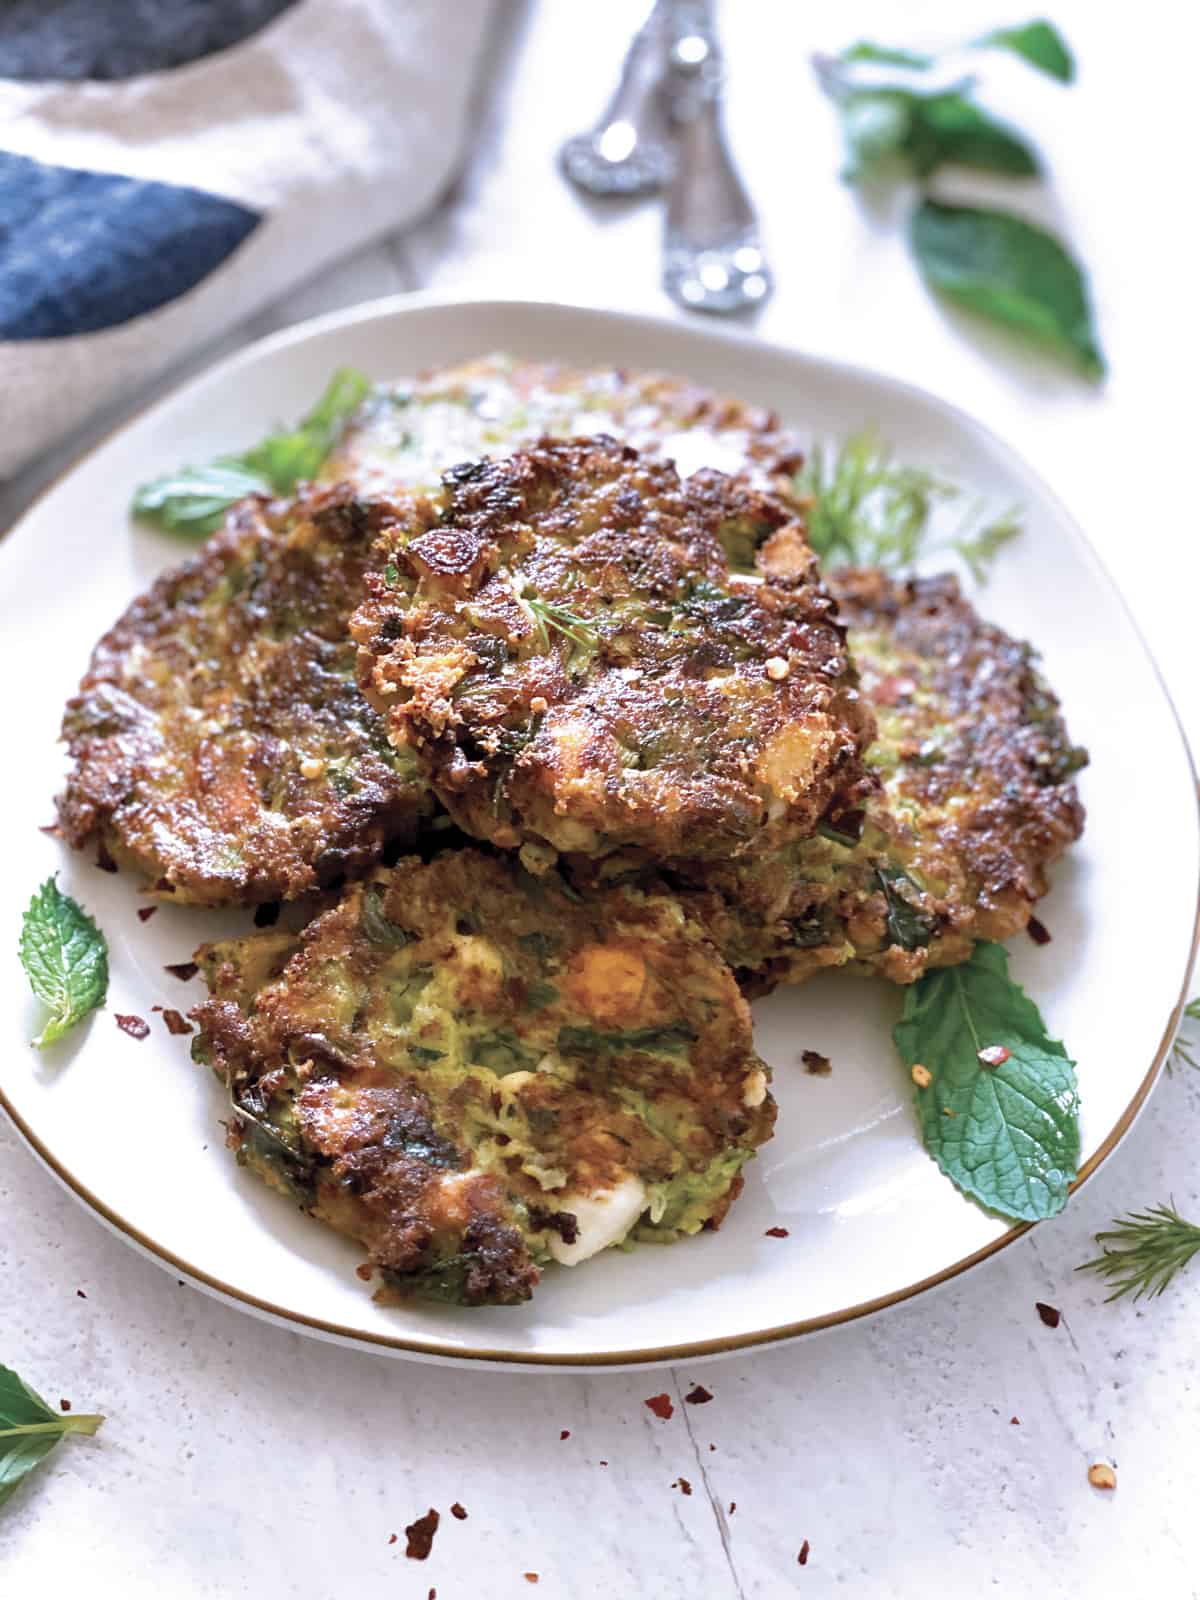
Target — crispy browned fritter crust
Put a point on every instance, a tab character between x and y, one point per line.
977	801
221	745
454	1060
576	652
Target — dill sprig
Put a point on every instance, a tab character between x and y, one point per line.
1142	1251
1183	1050
547	614
869	510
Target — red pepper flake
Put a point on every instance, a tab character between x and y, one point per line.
175	1022
432	1595
661	1406
531	1577
699	1396
146	912
52	828
817	1065
1037	931
393	1539
776	1233
266	915
565	1434
64	1405
135	1027
802	1558
185	971
1015	1422
683	1485
458	1511
732	1507
363	1270
81	1294
993	1055
420	1535
1050	1315
604	1463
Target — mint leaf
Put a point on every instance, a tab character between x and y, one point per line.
885	55
895	128
1039	43
1009	271
907	925
1007	1134
194	500
65	957
29	1430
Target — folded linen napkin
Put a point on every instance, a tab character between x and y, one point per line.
168	167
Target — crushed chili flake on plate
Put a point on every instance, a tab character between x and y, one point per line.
732	1507
393	1538
64	1405
1037	931
1050	1315
458	1511
777	1233
135	1027
994	1055
146	912
802	1558
698	1396
1015	1422
682	1485
420	1535
531	1577
81	1294
661	1406
183	970
815	1063
175	1022
565	1434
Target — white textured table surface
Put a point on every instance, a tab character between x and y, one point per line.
241	1460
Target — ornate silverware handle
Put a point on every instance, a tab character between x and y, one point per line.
712	257
631	149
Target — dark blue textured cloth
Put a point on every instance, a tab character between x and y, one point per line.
59	39
81	251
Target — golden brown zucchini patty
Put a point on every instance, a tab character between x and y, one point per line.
472	1071
220	741
977	800
575	650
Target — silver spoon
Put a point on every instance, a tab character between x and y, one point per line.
631	149
712	255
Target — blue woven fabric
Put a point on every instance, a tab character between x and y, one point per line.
81	251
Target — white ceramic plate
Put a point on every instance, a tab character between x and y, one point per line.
134	1128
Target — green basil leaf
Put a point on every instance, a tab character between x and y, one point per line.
1039	43
1007	1134
1009	271
907	926
29	1430
65	957
195	499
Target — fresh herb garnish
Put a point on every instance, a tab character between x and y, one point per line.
907	926
65	957
547	615
871	511
1183	1050
1008	270
29	1430
193	500
902	118
1142	1251
1007	1134
1039	43
672	1040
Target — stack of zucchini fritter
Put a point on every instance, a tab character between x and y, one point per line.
616	713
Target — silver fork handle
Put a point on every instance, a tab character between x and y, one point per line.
631	149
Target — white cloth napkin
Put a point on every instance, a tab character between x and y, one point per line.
142	215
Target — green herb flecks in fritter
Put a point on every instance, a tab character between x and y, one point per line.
220	742
976	801
473	1072
573	652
